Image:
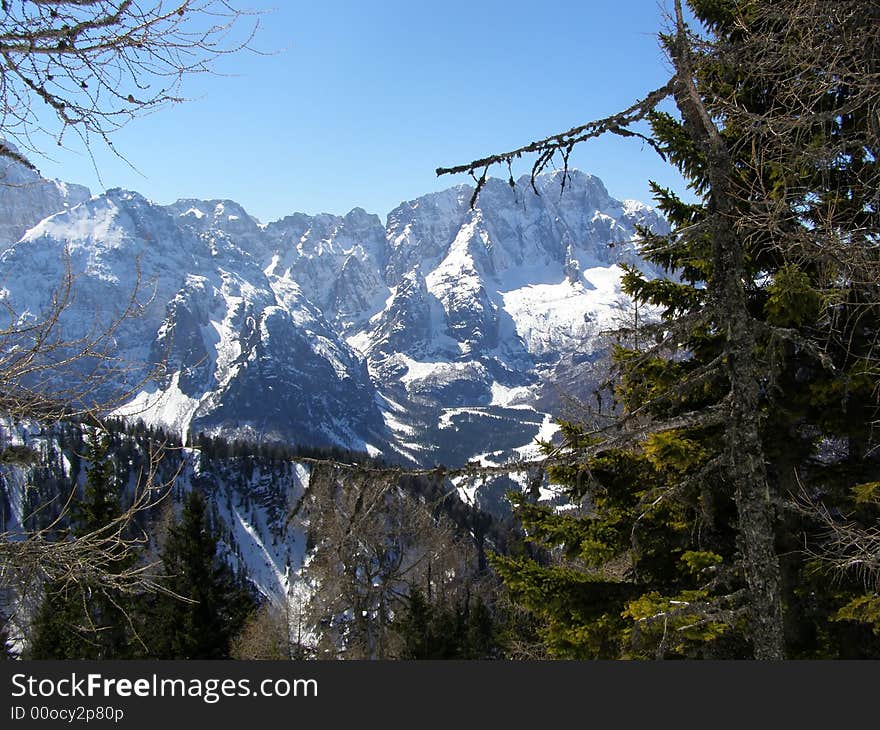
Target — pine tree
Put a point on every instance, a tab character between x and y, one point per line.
83	620
100	504
464	629
415	628
760	363
213	602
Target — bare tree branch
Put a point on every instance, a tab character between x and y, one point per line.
563	143
97	64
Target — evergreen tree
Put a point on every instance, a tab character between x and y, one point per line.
415	628
760	363
464	629
83	620
210	603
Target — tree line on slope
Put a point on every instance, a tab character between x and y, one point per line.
200	606
192	604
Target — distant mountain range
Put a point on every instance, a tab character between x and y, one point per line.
446	334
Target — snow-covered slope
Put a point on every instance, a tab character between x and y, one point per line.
338	260
251	498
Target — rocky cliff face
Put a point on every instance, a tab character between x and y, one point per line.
495	314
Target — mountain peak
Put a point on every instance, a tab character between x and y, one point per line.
26	198
574	179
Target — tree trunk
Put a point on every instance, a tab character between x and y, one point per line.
745	462
745	450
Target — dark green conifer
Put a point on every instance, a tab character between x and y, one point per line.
464	629
658	563
210	603
82	620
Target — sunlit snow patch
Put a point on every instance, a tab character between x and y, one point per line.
169	408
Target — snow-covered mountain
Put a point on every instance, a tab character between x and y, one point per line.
439	337
241	358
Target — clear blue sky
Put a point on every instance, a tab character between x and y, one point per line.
364	99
